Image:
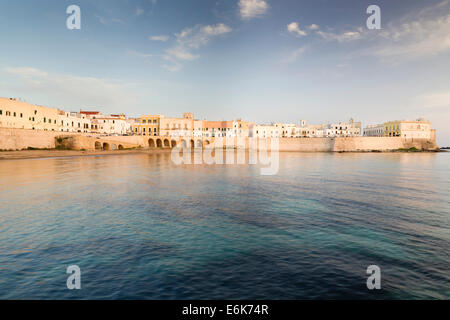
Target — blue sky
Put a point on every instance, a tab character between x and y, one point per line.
262	60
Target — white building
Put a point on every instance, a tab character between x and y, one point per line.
343	129
312	131
374	130
115	124
288	130
263	131
73	122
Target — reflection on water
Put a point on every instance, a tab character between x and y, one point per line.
141	227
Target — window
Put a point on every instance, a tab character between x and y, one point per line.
14	114
21	115
144	121
45	120
1	112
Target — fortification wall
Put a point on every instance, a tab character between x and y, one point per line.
354	144
305	144
18	139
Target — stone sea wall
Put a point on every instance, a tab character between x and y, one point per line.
18	139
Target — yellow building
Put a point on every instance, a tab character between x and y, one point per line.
147	126
22	115
419	129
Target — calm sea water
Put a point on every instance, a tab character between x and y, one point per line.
140	227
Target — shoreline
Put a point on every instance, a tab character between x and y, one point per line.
56	153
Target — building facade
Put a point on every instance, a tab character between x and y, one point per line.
419	129
115	124
376	130
148	125
240	128
343	129
217	129
264	131
73	122
177	127
288	130
22	115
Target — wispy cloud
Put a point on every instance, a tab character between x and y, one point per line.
139	11
200	35
159	38
138	54
294	28
252	8
345	36
173	67
435	100
107	21
416	36
294	55
82	91
180	53
190	39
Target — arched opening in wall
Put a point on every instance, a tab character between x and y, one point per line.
199	144
173	143
98	145
166	143
184	144
151	143
159	143
120	147
106	146
192	144
113	147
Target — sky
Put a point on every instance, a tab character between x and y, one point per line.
259	60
